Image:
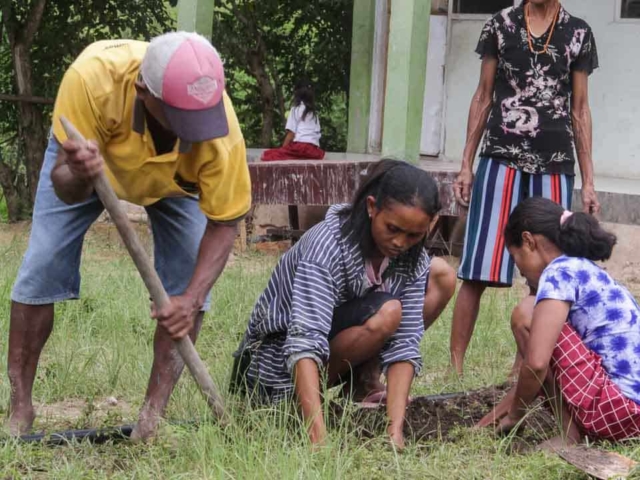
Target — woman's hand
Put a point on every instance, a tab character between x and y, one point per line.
399	378
590	203
507	424
499	411
318	433
306	379
462	186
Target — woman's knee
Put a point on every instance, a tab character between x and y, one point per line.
386	321
444	276
522	315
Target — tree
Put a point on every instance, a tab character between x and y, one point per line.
41	38
20	34
268	44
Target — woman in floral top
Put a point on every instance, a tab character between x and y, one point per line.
581	341
532	108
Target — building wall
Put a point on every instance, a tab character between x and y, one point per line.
614	92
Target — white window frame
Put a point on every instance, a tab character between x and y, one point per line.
475	16
618	14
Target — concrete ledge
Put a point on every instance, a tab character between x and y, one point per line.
332	180
615	207
335	179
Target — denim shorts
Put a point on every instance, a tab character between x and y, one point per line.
50	270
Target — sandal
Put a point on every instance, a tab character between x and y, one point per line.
376	399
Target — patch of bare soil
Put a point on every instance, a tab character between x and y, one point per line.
273	248
433	418
77	413
13	231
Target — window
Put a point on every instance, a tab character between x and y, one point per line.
485	7
630	9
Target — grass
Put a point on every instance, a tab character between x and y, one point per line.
3	208
102	347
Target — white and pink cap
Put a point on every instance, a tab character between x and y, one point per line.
185	73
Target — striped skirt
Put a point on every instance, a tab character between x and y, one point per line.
497	190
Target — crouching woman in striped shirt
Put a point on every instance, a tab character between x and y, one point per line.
350	300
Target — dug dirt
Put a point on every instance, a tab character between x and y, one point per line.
441	418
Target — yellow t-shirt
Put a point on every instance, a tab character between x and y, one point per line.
97	95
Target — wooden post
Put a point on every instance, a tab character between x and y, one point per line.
242	226
406	67
361	71
196	16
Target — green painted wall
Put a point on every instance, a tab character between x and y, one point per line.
406	67
196	16
360	78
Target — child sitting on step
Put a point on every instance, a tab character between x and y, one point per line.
302	141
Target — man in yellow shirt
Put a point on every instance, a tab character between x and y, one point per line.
166	135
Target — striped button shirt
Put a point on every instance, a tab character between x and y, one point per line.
292	318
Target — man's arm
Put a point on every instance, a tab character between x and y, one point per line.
178	316
215	247
478	114
76	165
583	130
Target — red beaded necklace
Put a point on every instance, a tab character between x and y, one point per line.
530	35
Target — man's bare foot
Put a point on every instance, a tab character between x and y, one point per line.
147	426
21	420
358	391
454	372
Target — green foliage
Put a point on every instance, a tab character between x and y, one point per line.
286	40
3	208
67	27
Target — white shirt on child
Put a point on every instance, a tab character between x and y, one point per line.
306	130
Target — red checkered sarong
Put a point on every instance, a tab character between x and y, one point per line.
595	402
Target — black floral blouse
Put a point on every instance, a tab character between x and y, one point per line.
530	126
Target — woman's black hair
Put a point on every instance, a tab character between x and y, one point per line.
579	235
390	181
303	93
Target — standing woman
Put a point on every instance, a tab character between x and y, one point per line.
532	107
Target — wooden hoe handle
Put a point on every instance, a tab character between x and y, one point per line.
158	294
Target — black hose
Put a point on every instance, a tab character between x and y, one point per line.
443	396
96	436
123	432
92	435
